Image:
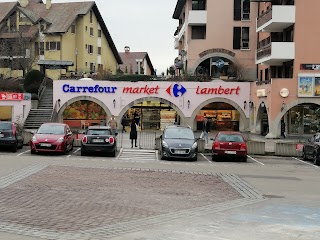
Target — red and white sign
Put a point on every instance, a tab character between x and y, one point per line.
299	147
6	96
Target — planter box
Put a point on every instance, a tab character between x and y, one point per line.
287	149
256	148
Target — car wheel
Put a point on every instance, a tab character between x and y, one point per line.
83	153
113	154
244	159
71	149
161	155
215	158
21	146
14	148
33	151
304	156
316	159
195	158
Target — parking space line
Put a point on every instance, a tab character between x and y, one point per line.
306	162
205	158
255	160
22	153
121	150
73	152
77	150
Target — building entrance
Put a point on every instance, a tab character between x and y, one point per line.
221	116
151	115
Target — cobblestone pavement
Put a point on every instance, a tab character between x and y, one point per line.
66	201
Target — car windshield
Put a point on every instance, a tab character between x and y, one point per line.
180	133
230	138
51	129
99	132
5	126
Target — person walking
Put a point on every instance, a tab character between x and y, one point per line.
283	128
112	123
123	123
133	133
206	130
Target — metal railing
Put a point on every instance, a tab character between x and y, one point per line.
264	52
264	18
145	140
42	87
54	113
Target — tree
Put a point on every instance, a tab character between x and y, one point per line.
237	71
18	52
33	81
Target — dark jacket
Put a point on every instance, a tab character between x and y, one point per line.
206	126
133	131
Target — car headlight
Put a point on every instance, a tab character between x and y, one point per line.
164	144
195	145
34	139
60	140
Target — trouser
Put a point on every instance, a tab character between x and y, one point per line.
206	136
123	129
135	142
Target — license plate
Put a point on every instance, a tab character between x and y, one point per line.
180	152
230	152
1	135
97	140
45	145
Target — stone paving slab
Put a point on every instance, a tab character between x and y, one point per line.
63	202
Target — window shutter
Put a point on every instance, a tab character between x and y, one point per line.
47	46
237	10
236	37
58	46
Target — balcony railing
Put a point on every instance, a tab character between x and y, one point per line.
264	18
264	51
259	83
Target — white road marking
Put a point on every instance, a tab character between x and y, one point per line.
255	160
77	150
205	158
306	162
73	152
200	235
121	149
22	153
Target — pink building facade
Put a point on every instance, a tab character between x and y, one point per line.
288	86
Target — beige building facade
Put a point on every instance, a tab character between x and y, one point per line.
58	39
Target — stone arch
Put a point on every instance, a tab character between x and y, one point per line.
139	100
277	120
88	98
216	54
244	121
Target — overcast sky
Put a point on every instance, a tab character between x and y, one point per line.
144	25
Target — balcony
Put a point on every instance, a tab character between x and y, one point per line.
182	31
276	53
276	19
197	17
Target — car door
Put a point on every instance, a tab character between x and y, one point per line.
69	135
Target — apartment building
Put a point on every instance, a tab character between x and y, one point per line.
217	38
288	86
56	38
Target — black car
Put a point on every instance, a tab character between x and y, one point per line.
311	149
99	139
178	142
11	136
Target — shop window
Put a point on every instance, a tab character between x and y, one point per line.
198	32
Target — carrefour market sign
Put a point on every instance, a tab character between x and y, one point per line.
84	89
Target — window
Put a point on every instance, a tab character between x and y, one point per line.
99	33
86	28
99	50
86	46
42	27
198	4
198	32
266	74
241	10
73	28
41	48
90	49
91	31
261	73
53	46
91	16
36	48
241	38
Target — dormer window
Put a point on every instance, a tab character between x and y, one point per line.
42	27
73	28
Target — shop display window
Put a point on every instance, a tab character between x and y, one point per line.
6	113
304	119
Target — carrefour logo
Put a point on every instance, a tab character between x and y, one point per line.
178	90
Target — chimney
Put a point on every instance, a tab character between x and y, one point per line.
126	49
48	4
24	3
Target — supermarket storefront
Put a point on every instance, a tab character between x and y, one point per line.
153	104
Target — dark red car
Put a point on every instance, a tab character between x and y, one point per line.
229	145
52	137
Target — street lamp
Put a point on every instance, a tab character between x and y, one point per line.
76	53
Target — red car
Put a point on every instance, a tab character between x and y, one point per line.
52	137
229	145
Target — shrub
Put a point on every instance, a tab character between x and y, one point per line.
33	81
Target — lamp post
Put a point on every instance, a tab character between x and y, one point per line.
76	53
